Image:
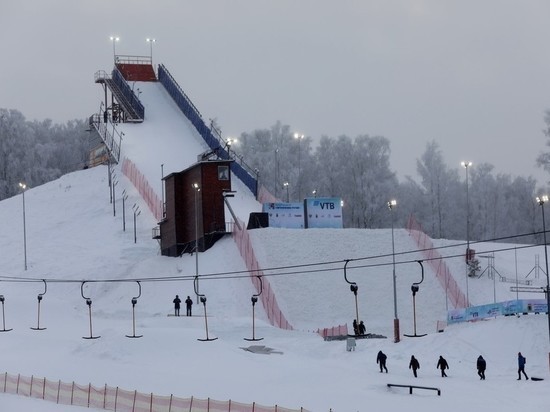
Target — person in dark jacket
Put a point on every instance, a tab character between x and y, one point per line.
177	302
481	366
414	365
442	364
381	360
355	327
362	329
521	366
188	305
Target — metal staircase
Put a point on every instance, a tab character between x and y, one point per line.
126	99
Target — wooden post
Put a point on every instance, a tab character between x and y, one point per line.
72	393
44	389
58	389
17	389
89	393
170	404
30	392
151	408
116	397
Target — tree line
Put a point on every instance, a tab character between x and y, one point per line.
290	166
36	152
358	171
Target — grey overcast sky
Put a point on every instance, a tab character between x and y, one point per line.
473	75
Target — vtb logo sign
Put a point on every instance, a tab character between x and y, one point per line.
327	205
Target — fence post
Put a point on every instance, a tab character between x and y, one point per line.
44	389
170	404
89	393
134	405
151	408
72	393
30	392
116	397
105	397
191	404
5	381
17	389
58	390
229	405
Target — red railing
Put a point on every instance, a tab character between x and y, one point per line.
438	265
152	200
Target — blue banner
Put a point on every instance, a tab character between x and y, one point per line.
510	307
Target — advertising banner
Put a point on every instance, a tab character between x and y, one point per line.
323	212
510	307
285	215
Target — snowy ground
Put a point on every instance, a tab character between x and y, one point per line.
73	235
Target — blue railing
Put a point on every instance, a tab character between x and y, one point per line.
194	116
129	95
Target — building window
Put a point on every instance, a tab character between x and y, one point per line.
223	172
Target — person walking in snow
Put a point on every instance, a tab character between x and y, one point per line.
414	365
177	302
521	366
481	366
362	328
442	364
188	305
381	360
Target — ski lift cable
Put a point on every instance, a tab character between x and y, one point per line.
276	270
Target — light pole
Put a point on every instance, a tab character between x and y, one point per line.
276	172
391	204
541	201
197	189
124	197
467	165
23	187
137	212
151	41
285	186
228	144
299	137
114	40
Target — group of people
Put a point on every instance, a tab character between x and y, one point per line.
177	305
443	365
359	328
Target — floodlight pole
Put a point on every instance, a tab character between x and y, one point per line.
197	189
23	187
541	200
396	333
467	165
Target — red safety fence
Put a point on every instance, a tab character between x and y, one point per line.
438	265
137	178
268	299
340	330
116	399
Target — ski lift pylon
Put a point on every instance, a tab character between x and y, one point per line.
254	299
414	289
89	303
39	297
134	301
202	299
